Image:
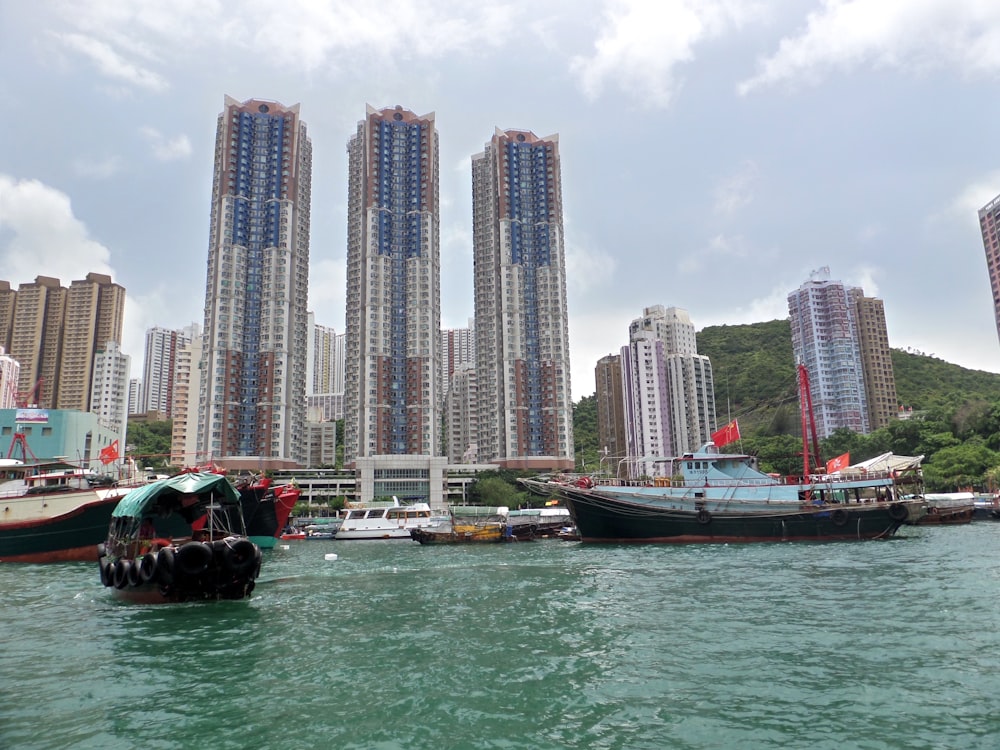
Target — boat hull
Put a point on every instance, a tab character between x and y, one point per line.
608	519
265	513
70	536
947	516
460	535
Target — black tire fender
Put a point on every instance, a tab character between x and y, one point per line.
192	559
165	566
703	517
148	564
240	557
839	517
107	571
898	512
122	568
133	576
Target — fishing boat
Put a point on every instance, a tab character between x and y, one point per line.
140	561
538	523
948	508
710	496
266	509
52	511
468	525
385	520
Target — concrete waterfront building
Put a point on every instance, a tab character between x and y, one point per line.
610	412
252	392
392	389
56	332
876	359
989	223
825	339
159	366
521	318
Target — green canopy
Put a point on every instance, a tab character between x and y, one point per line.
143	499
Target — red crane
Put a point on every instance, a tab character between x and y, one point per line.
24	401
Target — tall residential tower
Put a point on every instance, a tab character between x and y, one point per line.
392	390
252	395
522	331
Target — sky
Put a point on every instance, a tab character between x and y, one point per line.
715	153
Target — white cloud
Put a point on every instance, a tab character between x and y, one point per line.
38	232
976	195
112	64
645	41
903	34
166	149
736	191
98	169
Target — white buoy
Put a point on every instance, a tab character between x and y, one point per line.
330	556
285	546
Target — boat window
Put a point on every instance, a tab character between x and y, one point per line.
395	513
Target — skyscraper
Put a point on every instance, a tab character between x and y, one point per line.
989	222
392	389
159	365
55	333
458	350
876	359
522	330
825	340
252	396
610	412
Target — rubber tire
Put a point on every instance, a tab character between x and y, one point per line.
703	517
133	574
107	571
165	566
240	558
839	517
898	512
147	567
192	559
122	568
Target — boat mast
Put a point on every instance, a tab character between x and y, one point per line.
808	423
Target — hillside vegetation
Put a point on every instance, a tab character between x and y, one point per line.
955	424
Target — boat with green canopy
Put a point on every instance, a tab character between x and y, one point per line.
179	539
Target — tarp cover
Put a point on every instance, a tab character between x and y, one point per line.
137	502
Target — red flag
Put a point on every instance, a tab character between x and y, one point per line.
109	453
728	434
838	463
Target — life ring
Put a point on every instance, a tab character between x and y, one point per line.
898	512
193	559
703	517
839	517
147	567
107	568
240	557
122	568
165	565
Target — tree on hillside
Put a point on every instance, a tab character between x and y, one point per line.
149	442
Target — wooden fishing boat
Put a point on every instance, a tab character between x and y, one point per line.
141	562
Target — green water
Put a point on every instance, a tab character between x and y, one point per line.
544	644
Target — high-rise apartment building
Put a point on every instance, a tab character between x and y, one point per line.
55	333
159	366
610	412
109	389
462	417
9	370
184	407
690	383
825	339
647	405
522	329
458	351
252	397
392	389
876	359
989	223
323	360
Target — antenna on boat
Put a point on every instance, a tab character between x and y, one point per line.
808	423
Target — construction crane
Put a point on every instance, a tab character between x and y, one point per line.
28	400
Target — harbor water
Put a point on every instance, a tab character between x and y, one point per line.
545	644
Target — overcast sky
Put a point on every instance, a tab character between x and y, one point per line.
714	153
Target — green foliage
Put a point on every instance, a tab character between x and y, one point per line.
586	437
495	488
149	442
